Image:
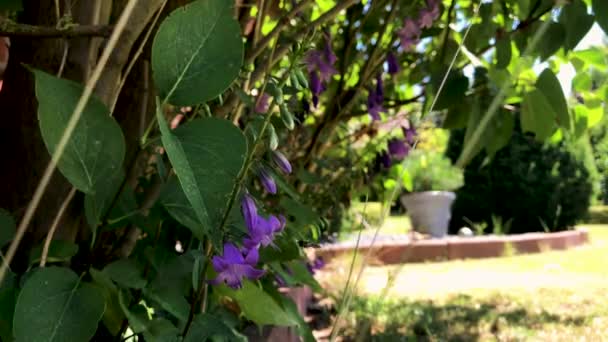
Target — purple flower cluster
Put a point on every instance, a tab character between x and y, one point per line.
375	100
320	66
235	264
266	179
398	149
409	34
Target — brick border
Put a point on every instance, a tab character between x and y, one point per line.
453	248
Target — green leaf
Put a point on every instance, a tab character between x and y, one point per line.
600	9
137	316
161	330
501	128
453	91
7	227
59	251
303	328
503	52
549	85
205	326
197	52
176	203
54	305
96	149
113	315
258	306
207	156
11	5
537	115
8	298
552	40
171	300
577	22
301	274
126	273
582	82
96	205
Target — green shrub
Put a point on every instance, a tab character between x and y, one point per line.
426	171
537	186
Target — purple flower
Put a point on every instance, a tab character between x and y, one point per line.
393	64
375	100
410	134
281	161
320	66
250	211
385	159
267	181
234	265
316	265
398	149
262	104
263	231
429	14
316	87
318	61
409	35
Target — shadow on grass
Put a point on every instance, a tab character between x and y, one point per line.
461	318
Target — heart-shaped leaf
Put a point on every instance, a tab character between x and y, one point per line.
95	150
207	156
55	306
197	52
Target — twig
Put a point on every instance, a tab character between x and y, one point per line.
136	55
323	19
9	28
66	135
284	21
49	235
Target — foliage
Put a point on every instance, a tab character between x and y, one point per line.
258	127
529	183
427	171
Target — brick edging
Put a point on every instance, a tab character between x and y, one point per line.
452	248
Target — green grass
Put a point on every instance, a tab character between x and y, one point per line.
551	296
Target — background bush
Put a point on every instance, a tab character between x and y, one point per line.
537	186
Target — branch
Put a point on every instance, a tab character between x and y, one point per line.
394	104
323	19
283	22
9	28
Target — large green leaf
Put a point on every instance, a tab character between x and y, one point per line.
7	227
54	305
96	148
127	273
207	156
59	251
503	52
96	205
171	300
549	85
113	315
552	40
537	115
197	52
259	306
161	330
577	22
205	326
600	9
8	297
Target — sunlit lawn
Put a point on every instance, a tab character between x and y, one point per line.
552	296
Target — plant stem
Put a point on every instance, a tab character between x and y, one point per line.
49	236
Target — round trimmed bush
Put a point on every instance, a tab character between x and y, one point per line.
534	186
